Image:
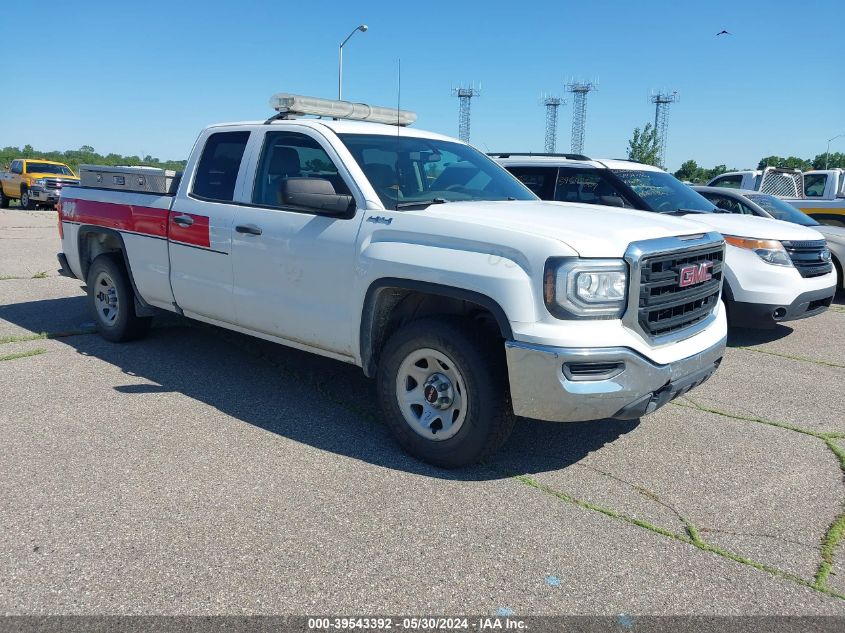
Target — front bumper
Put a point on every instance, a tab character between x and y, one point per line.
767	315
572	385
37	194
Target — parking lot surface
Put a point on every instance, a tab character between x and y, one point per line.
200	471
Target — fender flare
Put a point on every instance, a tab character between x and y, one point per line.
462	294
142	308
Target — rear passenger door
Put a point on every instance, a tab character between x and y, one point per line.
199	228
589	186
540	180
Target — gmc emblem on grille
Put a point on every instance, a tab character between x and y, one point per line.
695	274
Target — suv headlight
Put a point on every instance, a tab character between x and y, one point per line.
585	288
770	251
41	182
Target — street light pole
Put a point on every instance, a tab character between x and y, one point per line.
361	28
827	153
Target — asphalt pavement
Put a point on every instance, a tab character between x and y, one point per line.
200	472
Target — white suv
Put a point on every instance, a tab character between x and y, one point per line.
775	271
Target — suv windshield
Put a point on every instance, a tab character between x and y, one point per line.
663	192
781	210
47	168
407	171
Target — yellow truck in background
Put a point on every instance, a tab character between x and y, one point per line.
35	182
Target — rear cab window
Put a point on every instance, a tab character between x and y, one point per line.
814	185
218	167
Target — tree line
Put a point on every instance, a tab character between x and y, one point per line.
644	147
86	155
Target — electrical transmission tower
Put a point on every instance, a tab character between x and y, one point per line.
465	96
552	104
662	101
579	89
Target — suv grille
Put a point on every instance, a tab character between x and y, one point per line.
806	256
666	307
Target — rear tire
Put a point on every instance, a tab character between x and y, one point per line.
444	393
112	300
4	201
26	201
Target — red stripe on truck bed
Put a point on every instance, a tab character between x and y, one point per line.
150	221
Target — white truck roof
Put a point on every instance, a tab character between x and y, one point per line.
341	126
564	161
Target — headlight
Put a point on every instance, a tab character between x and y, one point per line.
42	182
770	251
585	288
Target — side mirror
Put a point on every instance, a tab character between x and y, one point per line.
612	201
317	194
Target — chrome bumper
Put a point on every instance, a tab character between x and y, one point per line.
571	385
37	194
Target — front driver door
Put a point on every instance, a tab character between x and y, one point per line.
294	266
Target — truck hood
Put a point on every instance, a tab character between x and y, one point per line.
36	175
751	226
590	230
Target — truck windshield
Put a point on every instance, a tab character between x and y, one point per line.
781	210
408	171
47	168
663	192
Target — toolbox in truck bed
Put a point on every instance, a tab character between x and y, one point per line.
136	179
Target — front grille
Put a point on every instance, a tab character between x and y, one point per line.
806	256
664	306
58	183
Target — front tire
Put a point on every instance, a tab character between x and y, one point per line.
26	201
112	300
444	393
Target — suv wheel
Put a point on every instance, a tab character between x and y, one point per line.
444	393
112	300
4	201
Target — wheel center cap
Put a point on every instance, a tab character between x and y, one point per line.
438	391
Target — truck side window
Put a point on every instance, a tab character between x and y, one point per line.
540	180
291	155
581	185
814	185
218	166
732	182
16	167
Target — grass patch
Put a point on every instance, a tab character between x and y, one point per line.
33	352
43	335
803	359
41	274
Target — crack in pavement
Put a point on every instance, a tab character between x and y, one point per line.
803	359
836	531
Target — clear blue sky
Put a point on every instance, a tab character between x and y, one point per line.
144	77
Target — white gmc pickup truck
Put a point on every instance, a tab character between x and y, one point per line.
413	256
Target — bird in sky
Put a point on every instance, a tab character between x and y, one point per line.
722	32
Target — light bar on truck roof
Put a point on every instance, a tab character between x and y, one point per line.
289	105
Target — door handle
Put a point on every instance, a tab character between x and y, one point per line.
250	229
183	220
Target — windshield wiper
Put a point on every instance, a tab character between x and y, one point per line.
686	211
420	203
